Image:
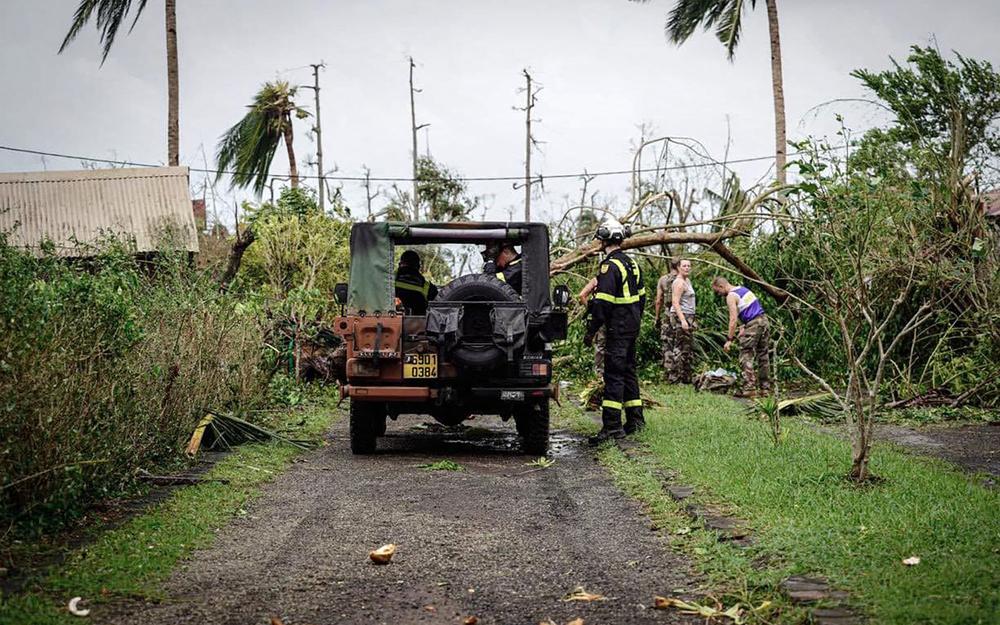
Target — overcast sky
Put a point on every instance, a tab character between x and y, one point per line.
605	66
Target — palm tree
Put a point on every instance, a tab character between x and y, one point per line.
726	17
249	146
110	14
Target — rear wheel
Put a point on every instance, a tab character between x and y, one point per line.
533	425
367	424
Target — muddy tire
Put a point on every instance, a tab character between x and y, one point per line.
367	424
533	425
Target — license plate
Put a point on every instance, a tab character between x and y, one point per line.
511	395
420	366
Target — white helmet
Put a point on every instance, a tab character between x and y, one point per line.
612	230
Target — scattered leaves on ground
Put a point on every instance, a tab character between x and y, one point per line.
441	465
383	555
579	594
74	608
706	611
541	462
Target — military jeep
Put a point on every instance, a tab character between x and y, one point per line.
482	348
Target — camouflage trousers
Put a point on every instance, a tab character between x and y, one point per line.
678	349
600	340
755	354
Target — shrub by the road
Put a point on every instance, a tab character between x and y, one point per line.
105	368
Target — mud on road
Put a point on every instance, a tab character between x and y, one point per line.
501	541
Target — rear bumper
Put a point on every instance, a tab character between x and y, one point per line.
475	395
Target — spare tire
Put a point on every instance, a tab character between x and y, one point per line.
476	350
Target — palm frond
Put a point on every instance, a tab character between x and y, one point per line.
730	26
725	16
687	15
820	406
110	15
248	147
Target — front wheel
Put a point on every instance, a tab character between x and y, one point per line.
533	425
367	424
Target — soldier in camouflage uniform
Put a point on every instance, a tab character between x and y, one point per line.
754	335
677	331
666	329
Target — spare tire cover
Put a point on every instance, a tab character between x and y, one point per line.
475	349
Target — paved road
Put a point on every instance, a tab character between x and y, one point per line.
499	541
975	448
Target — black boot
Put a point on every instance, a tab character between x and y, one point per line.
633	426
606	435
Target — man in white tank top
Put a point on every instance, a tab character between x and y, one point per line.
682	321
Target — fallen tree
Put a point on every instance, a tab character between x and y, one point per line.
674	234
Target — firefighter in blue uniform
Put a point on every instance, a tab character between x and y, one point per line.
504	262
412	289
617	307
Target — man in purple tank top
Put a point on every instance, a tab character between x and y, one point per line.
754	335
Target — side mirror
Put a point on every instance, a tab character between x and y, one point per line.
560	296
340	293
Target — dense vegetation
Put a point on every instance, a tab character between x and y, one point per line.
894	214
107	364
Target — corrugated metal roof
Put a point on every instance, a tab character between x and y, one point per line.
149	205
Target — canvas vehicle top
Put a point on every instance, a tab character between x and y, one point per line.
481	348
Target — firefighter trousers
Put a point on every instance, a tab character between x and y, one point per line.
621	385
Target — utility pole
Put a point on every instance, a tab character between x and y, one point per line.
318	129
531	93
529	104
413	134
369	196
587	179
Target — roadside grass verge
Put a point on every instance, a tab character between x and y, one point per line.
133	560
808	520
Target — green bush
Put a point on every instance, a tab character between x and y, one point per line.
105	367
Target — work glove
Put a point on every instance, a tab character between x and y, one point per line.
588	340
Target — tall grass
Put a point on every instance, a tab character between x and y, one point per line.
105	368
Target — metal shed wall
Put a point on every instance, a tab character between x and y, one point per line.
140	205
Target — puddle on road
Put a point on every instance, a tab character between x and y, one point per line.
484	437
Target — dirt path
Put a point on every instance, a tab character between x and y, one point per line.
501	541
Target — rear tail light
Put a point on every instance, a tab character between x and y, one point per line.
534	369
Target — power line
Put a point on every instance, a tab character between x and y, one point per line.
620	172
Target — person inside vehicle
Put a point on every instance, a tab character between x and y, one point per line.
503	260
412	289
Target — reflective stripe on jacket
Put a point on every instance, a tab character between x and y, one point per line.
620	296
414	291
